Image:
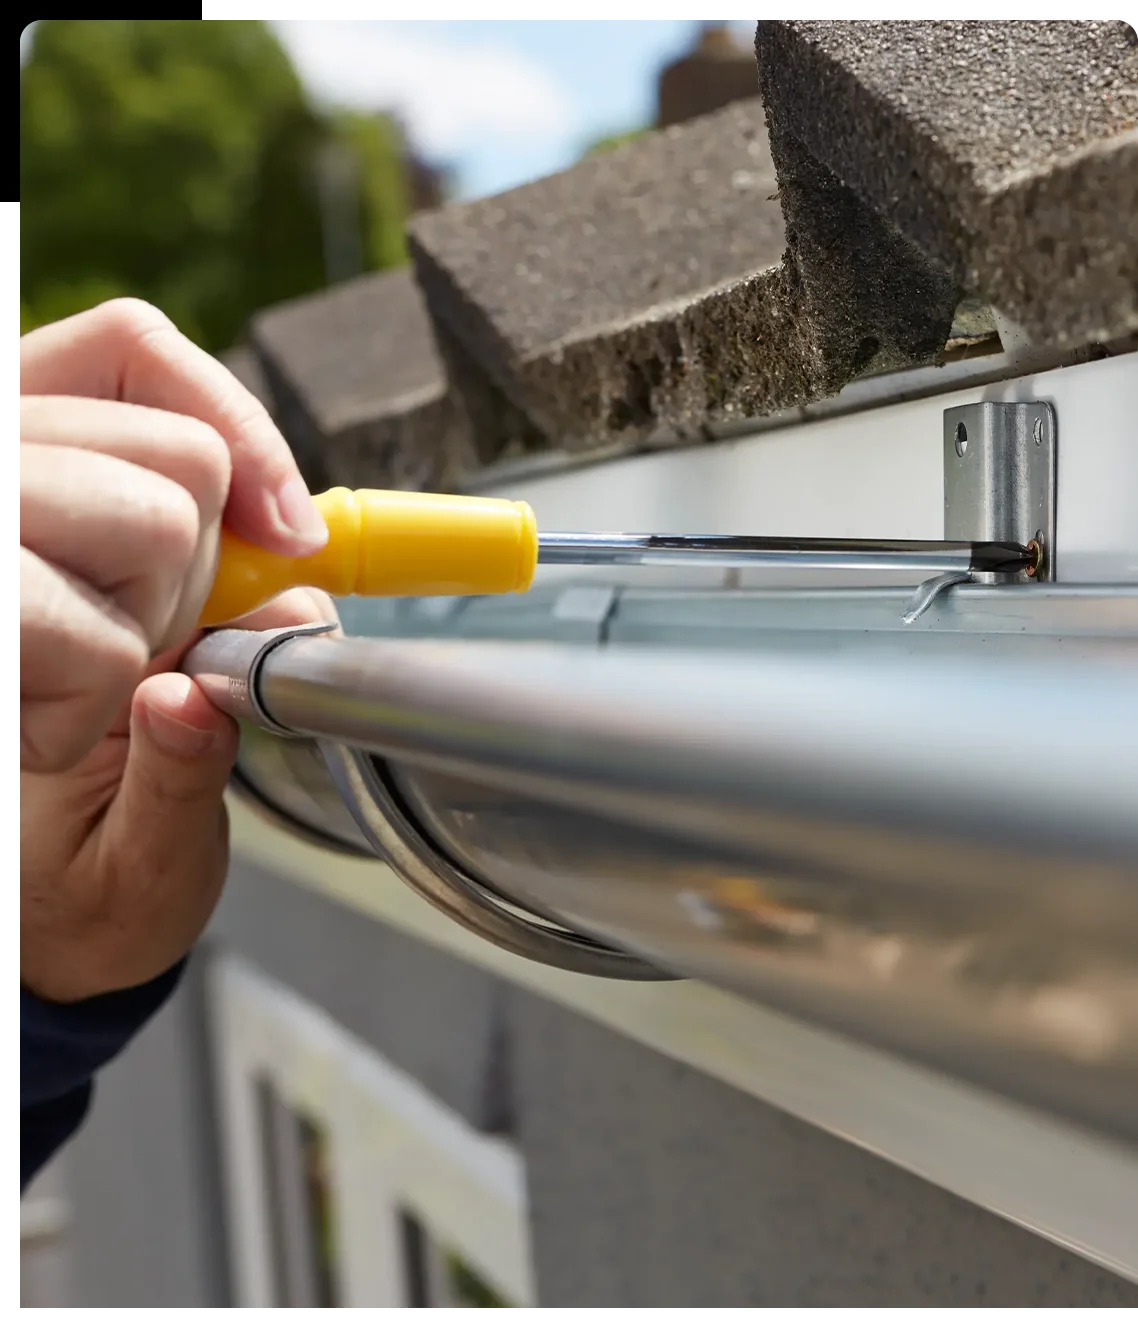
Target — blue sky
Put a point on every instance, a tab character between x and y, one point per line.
501	101
498	101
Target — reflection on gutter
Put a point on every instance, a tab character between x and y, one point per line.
288	782
744	905
1002	998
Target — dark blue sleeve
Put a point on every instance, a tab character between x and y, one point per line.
62	1046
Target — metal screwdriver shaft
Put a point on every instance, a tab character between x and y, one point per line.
917	556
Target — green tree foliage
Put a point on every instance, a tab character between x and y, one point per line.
178	161
376	145
279	237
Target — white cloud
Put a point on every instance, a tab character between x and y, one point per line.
449	93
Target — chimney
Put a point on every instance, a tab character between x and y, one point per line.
715	72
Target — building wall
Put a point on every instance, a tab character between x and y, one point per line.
649	1184
148	1224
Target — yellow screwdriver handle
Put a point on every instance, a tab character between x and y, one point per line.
387	543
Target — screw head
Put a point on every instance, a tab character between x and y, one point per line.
961	439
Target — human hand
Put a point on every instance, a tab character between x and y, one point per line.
134	445
123	856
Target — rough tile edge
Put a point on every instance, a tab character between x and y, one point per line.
415	438
462	319
955	221
499	429
502	421
780	52
422	443
1079	290
734	353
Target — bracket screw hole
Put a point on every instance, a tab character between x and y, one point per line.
1037	431
961	438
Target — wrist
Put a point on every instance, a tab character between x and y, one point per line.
64	980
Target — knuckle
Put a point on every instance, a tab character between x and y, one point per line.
251	420
131	318
207	464
169	524
179	798
122	658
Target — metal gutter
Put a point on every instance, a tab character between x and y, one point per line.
938	856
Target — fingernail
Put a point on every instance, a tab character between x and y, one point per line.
300	515
176	737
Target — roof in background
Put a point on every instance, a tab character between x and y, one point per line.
355	380
581	294
915	175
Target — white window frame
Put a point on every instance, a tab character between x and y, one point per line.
391	1147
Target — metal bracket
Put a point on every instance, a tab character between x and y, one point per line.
999	479
999	485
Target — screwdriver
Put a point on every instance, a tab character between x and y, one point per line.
405	543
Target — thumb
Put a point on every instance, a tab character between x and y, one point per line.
181	752
163	842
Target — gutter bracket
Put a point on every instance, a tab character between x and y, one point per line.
999	480
999	485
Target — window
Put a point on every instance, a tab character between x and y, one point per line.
299	1203
439	1276
347	1183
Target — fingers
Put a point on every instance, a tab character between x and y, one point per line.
185	451
172	726
80	659
129	533
120	512
167	816
126	350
